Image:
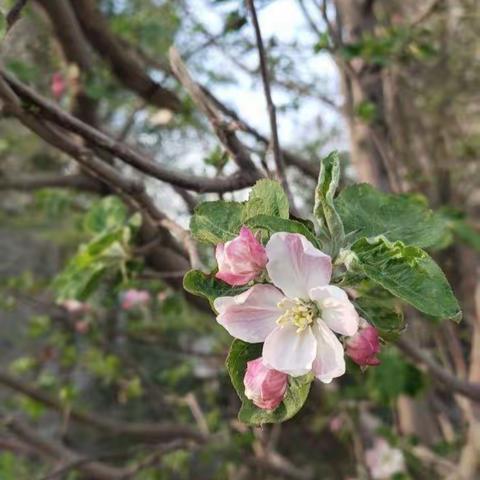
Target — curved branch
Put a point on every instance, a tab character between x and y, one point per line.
142	431
76	51
27	184
125	66
139	160
462	387
52	449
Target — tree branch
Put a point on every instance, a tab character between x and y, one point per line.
277	153
139	160
462	387
123	63
223	131
26	184
151	432
50	448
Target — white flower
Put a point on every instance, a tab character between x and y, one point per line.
297	315
384	460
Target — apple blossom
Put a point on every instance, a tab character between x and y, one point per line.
265	386
134	298
364	346
297	316
58	85
383	460
241	259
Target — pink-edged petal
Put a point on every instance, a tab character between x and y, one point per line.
329	362
252	315
235	279
290	352
336	310
295	265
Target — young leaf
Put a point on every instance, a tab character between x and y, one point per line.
110	212
266	198
275	224
216	222
198	283
324	209
408	273
378	307
298	388
367	212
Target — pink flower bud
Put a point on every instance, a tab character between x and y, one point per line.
134	298
241	259
57	85
264	386
363	347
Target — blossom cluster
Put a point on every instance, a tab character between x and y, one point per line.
292	309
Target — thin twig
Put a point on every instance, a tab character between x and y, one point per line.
277	153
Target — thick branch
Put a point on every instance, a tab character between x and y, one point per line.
76	50
26	184
139	160
124	64
141	431
52	449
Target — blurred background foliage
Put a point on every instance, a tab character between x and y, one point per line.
162	360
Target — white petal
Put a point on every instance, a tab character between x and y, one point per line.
290	352
295	265
330	361
336	310
252	315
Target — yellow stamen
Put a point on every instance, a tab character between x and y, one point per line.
299	313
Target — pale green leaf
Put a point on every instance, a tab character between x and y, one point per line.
266	198
216	222
367	212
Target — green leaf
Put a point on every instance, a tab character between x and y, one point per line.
216	222
266	198
110	212
393	377
324	209
203	285
366	212
378	307
275	224
298	388
406	272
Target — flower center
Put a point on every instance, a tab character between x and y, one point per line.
297	312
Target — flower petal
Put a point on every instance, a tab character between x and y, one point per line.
250	316
336	310
295	265
329	362
290	352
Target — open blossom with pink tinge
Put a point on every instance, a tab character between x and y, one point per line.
384	461
134	298
240	260
364	346
297	316
265	386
